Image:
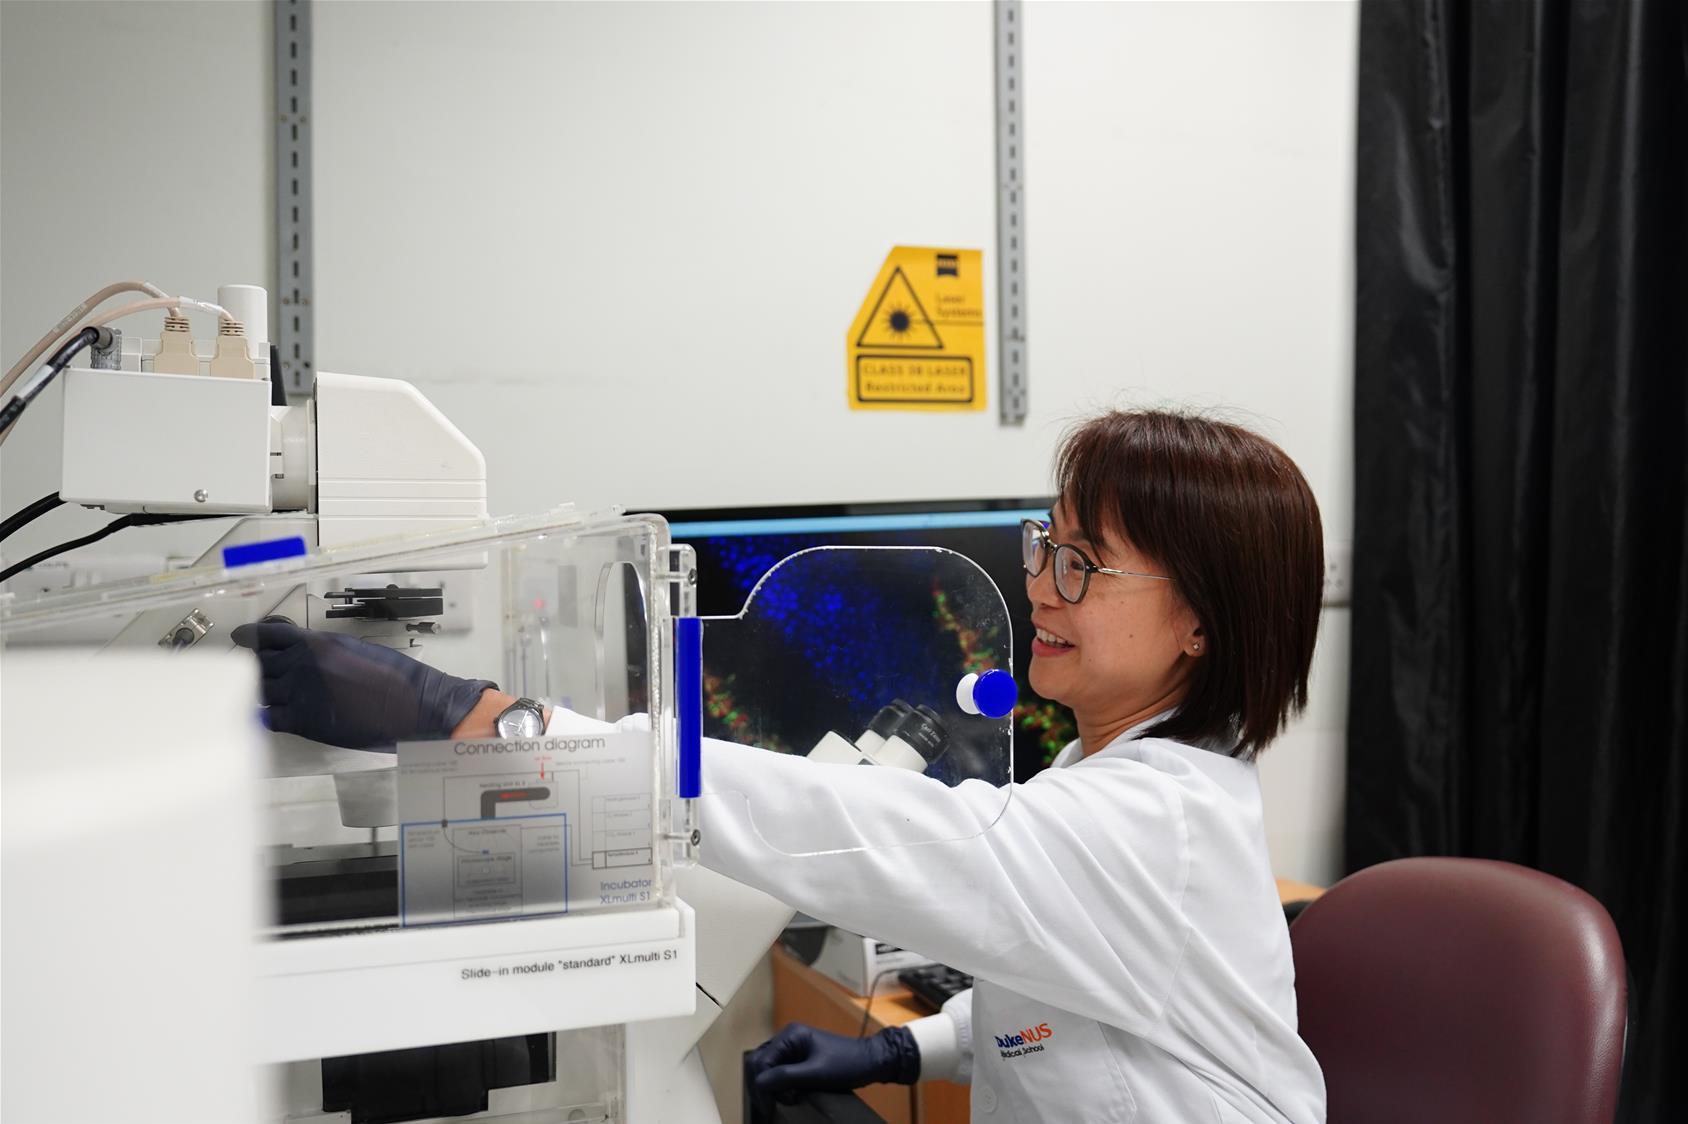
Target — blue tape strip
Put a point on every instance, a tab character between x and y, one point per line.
688	703
251	553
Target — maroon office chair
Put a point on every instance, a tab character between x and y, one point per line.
1461	991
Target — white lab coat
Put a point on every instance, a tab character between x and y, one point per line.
1130	953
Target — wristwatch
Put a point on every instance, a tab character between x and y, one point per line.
521	719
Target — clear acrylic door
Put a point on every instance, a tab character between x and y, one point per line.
829	647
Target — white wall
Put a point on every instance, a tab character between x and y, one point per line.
1191	198
621	244
1190	187
626	267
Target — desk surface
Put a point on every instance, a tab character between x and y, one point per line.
893	1006
1289	891
802	994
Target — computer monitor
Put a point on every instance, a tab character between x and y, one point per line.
736	546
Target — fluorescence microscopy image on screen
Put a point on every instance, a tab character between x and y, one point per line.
796	683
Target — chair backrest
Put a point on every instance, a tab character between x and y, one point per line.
1461	990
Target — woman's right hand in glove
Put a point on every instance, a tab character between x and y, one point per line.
801	1059
344	691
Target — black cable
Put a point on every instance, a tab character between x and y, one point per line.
34	386
867	1008
278	392
28	515
116	525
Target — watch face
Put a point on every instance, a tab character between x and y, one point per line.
520	722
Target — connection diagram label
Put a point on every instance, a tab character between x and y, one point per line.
524	826
918	340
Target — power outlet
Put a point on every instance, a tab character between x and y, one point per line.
1339	573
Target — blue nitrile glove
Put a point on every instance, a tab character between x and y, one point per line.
801	1059
344	691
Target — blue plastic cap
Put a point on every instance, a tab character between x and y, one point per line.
251	553
995	693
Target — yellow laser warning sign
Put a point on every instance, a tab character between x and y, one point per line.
918	341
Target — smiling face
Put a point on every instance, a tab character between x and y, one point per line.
1124	652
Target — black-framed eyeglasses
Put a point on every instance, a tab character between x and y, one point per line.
1072	567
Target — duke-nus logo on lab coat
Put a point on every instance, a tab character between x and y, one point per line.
1025	1041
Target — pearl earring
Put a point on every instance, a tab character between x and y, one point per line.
1196	647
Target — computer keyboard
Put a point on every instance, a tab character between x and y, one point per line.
935	984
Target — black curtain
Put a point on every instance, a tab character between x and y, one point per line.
1519	687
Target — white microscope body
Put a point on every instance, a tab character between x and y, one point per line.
368	460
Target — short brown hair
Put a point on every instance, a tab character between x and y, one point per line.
1229	517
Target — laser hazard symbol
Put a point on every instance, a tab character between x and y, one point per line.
918	340
899	319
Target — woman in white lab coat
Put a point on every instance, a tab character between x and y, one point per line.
1136	964
1119	915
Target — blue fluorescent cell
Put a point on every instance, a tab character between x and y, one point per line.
251	553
